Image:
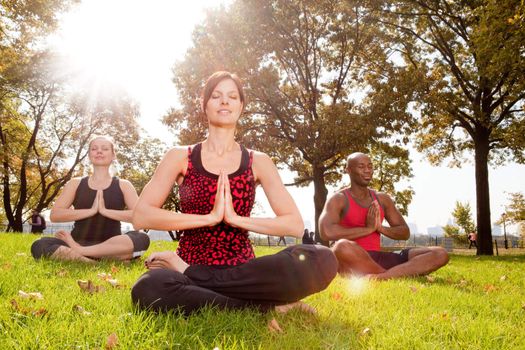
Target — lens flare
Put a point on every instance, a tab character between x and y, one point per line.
357	285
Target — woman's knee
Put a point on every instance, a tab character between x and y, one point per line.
153	288
140	242
43	248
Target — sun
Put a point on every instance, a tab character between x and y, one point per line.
132	44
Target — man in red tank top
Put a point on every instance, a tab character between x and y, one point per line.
353	218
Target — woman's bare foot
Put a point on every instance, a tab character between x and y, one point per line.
166	260
66	253
66	237
298	305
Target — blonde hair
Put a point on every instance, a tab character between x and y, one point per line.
113	168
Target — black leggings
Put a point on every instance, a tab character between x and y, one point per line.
46	246
262	283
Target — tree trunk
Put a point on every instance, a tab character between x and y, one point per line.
320	194
481	153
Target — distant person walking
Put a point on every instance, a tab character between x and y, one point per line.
38	223
472	238
281	239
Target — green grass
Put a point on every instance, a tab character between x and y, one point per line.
466	305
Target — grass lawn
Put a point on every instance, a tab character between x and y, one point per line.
473	303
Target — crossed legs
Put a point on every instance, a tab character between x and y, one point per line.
64	247
353	259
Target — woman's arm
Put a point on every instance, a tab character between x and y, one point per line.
148	213
62	210
130	198
287	221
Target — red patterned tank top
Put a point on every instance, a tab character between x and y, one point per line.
221	244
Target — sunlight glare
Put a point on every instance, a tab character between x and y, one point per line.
357	285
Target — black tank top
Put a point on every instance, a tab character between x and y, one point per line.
97	228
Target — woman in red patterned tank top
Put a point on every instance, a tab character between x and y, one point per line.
215	263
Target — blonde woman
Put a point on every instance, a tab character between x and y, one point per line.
97	204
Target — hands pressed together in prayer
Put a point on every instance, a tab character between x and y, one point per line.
223	207
99	206
373	218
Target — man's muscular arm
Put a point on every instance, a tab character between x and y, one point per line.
329	227
398	227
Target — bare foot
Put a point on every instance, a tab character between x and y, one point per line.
298	305
66	253
166	260
66	237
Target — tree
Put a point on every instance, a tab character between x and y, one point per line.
463	217
515	212
302	63
470	59
453	231
44	132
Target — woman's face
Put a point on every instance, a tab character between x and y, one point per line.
101	152
224	106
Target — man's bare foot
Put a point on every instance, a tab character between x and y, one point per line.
166	260
298	305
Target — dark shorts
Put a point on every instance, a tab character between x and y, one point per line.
46	246
387	260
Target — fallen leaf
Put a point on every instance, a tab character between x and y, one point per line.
7	266
104	276
114	269
463	283
21	254
489	288
89	287
15	305
33	295
112	341
444	315
62	273
39	312
430	279
336	296
274	327
365	332
413	289
81	310
503	278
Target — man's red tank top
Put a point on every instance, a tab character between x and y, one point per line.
221	244
355	216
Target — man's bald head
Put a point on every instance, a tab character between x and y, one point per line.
360	169
354	158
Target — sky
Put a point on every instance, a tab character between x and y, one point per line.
135	43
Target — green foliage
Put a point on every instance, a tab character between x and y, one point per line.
458	308
316	76
470	83
454	232
463	217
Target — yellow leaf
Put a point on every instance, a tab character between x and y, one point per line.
430	279
33	295
365	332
89	287
81	310
413	289
503	278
